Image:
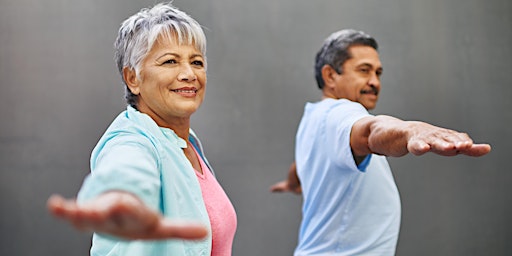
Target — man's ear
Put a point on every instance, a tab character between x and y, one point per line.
130	77
328	75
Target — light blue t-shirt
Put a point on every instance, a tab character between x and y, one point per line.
138	156
347	210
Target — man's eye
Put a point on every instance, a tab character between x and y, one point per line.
365	70
197	63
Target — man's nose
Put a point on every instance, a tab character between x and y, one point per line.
374	81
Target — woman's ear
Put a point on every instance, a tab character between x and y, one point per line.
328	74
130	77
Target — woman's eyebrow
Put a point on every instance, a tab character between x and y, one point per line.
168	53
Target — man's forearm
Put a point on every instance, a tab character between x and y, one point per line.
389	135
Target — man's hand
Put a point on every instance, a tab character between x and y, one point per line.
428	138
284	186
123	215
292	184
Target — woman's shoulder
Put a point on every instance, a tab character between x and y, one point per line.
126	129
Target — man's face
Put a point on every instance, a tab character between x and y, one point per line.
360	79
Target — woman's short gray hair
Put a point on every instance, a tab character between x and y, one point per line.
139	32
335	50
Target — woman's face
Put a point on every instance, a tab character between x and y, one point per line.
171	82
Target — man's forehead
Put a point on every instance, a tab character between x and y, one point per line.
364	55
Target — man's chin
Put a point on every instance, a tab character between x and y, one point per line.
369	105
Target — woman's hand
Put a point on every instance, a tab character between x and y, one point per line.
123	215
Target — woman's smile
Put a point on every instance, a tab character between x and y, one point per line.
188	92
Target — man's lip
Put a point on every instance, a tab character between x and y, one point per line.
373	91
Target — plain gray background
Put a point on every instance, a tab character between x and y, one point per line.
445	62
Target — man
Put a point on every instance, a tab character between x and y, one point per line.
351	204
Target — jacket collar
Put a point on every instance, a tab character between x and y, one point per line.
148	123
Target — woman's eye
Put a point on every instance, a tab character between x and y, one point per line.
197	63
171	61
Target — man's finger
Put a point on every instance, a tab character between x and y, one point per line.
477	150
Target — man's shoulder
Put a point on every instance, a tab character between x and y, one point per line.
342	107
330	103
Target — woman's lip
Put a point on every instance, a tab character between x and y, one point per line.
186	92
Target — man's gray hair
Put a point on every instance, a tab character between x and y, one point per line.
335	51
139	32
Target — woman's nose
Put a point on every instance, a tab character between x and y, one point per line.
187	74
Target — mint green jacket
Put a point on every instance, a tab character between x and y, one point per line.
138	156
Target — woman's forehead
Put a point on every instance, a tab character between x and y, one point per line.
172	40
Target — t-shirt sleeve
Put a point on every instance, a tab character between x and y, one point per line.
340	120
125	163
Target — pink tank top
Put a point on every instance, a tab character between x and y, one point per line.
220	211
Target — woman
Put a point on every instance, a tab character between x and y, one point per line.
148	167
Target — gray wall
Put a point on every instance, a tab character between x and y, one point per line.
446	62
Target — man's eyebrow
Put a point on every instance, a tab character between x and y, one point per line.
366	64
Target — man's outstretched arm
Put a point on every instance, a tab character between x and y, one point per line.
390	136
291	184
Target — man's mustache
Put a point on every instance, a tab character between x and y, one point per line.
372	90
